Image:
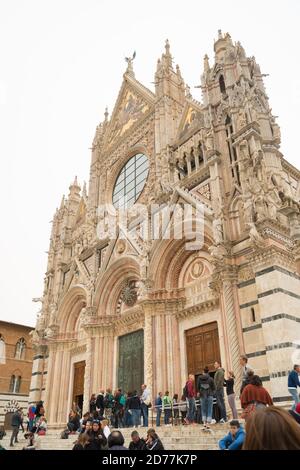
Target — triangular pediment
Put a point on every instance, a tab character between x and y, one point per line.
191	119
133	103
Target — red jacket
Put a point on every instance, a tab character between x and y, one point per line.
252	393
190	389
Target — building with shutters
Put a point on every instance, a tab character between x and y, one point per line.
16	356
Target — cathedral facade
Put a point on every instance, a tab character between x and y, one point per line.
119	310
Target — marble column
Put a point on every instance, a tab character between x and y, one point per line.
87	374
148	351
231	325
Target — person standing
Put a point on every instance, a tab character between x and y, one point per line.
175	405
108	402
16	422
93	403
183	409
245	370
134	408
206	388
158	408
145	404
100	403
293	384
167	404
219	391
190	395
229	383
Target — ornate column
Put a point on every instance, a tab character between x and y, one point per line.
225	279
148	349
87	374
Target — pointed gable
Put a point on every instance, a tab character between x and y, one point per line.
192	118
134	102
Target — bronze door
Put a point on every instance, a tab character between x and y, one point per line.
78	383
202	347
131	361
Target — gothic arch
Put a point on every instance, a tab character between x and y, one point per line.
237	217
70	308
169	259
109	286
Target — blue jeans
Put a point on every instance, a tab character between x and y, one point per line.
206	409
294	393
191	409
158	415
128	419
144	409
221	403
167	416
136	417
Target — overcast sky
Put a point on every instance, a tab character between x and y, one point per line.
61	63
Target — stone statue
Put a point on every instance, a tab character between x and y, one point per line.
217	253
241	120
91	292
217	226
248	208
209	140
255	237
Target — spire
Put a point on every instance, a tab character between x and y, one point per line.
84	193
206	63
188	91
106	114
167	58
221	44
74	188
62	204
167	47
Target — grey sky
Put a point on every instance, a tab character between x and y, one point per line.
61	63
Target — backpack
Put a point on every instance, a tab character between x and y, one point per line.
64	434
204	387
108	401
122	400
185	391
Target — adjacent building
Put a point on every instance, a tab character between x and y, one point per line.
16	355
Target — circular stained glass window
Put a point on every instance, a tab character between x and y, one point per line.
131	181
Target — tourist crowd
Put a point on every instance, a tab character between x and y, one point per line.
202	401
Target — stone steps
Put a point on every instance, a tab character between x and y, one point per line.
173	438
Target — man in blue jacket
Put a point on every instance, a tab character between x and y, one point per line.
293	383
234	440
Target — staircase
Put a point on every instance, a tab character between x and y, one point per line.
173	438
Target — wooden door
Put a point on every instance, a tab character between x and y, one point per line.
131	361
78	383
202	347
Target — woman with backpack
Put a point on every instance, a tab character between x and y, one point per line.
229	384
206	388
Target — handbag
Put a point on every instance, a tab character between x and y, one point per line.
250	408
